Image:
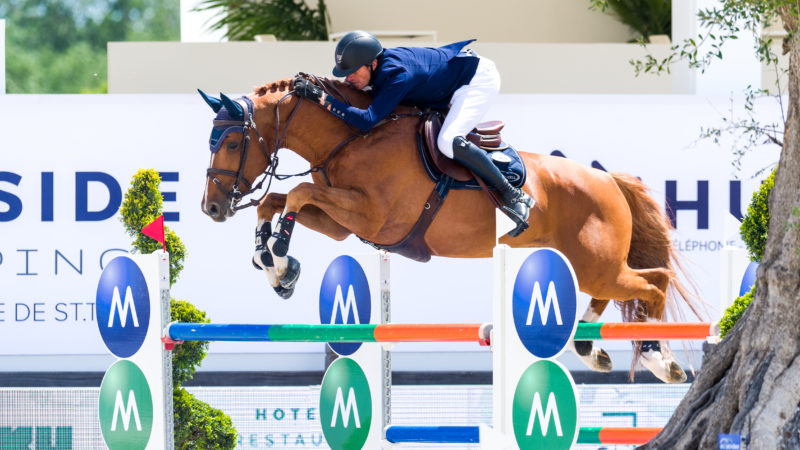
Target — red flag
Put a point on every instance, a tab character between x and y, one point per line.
155	230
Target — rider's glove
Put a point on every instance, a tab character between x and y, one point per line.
305	88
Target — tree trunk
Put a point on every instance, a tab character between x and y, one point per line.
750	384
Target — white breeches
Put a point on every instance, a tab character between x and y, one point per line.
469	104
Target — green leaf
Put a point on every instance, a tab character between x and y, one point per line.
288	20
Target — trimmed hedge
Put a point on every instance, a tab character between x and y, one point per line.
735	311
756	222
141	205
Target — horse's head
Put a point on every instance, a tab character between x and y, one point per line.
235	164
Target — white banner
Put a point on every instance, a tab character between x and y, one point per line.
67	159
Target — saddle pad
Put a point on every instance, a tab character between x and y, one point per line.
515	172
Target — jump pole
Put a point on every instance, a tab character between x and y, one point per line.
397	333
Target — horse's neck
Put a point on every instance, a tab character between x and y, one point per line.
312	133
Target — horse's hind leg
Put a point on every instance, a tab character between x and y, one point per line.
655	355
594	357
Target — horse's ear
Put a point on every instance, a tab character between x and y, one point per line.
233	107
213	102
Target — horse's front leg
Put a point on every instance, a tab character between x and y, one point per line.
262	259
333	211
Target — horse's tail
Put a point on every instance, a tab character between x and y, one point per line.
651	247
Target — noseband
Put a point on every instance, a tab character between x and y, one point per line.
235	194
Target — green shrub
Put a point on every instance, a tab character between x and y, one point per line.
197	425
755	224
645	17
141	205
754	234
187	356
735	311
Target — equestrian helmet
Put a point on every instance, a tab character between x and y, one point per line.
356	49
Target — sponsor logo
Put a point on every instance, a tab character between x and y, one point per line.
545	409
344	297
125	407
345	405
123	307
544	303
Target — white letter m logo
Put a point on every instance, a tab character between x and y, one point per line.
120	409
344	305
544	417
544	309
339	405
122	307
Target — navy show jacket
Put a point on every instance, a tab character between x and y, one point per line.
423	77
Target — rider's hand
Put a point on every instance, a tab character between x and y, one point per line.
305	88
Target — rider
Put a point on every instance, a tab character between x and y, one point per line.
427	77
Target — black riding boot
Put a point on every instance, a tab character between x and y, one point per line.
517	204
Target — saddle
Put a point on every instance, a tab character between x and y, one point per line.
486	136
449	174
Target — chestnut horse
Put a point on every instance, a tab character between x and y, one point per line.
374	186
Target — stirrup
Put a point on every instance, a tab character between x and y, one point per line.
522	223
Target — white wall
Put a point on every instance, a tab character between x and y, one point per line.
554	21
173	67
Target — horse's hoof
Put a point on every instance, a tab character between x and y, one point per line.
676	373
292	274
283	292
602	362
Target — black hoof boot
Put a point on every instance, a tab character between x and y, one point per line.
648	346
265	257
266	260
283	234
292	274
583	348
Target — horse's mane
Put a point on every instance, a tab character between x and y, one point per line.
275	86
354	96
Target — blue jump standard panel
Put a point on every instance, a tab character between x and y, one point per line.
441	435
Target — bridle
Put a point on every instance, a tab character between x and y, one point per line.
244	125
